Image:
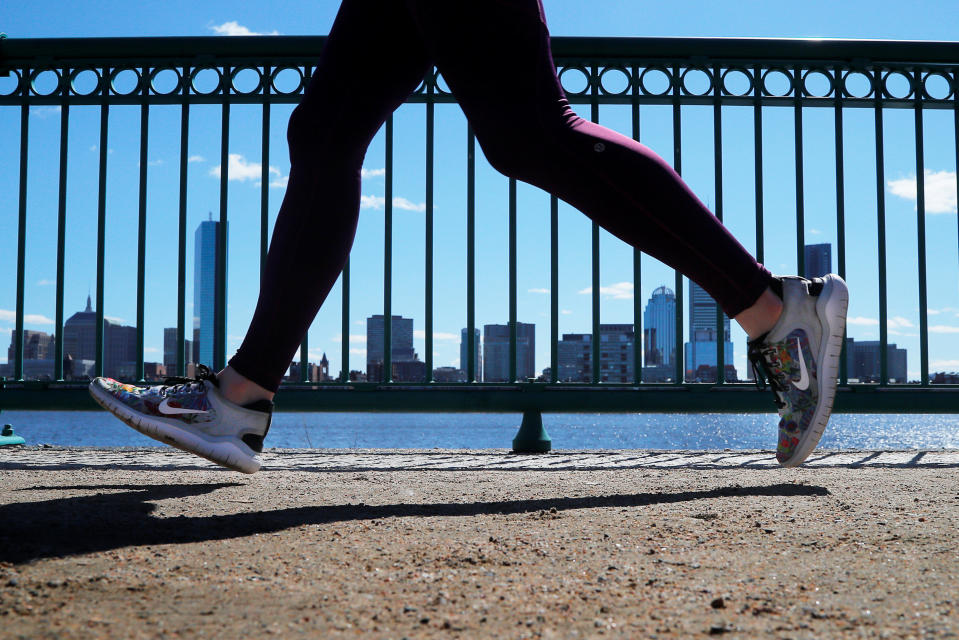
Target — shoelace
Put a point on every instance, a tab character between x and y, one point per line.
763	362
177	384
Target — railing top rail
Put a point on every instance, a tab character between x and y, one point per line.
15	51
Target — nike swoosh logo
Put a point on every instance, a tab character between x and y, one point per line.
166	409
803	383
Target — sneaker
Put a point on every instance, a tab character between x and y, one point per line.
799	358
192	415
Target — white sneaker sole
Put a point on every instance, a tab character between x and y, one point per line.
831	309
225	451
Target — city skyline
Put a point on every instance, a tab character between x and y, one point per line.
407	180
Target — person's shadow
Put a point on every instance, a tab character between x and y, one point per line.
85	524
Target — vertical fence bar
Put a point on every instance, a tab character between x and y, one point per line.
61	240
428	356
758	81
840	206
678	167
512	280
921	235
345	323
471	347
554	288
881	227
637	254
219	307
21	242
142	227
388	258
101	230
264	183
718	210
594	82
181	355
800	195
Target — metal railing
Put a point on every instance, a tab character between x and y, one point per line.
835	75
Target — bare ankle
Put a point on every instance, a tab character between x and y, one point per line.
239	389
762	316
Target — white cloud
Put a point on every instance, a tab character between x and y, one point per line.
566	312
815	232
437	335
944	364
378	202
242	170
358	352
354	338
196	159
233	28
113	319
861	321
942	328
44	112
155	163
940	190
280	183
537	290
618	291
28	318
935	312
898	322
151	350
372	173
45	283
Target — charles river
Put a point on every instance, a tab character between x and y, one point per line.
495	431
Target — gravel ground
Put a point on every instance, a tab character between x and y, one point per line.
167	551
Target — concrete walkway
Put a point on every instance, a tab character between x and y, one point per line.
392	544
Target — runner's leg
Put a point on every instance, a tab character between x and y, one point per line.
373	59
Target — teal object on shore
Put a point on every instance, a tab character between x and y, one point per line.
532	436
9	437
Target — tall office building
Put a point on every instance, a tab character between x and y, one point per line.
401	339
496	352
659	336
205	310
464	352
169	349
616	355
862	361
817	259
80	343
701	350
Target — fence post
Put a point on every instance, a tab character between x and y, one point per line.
532	436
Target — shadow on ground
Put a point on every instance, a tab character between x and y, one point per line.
92	523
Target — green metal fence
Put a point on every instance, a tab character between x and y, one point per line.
651	71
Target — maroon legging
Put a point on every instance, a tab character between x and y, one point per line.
496	59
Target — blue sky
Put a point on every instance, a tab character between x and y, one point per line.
885	20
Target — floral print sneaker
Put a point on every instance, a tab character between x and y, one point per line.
799	358
191	415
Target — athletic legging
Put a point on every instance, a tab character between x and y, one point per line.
496	59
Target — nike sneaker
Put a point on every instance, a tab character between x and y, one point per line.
191	414
799	358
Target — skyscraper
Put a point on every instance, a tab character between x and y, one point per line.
401	338
80	343
169	349
205	312
616	355
818	259
464	352
659	336
701	350
496	352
